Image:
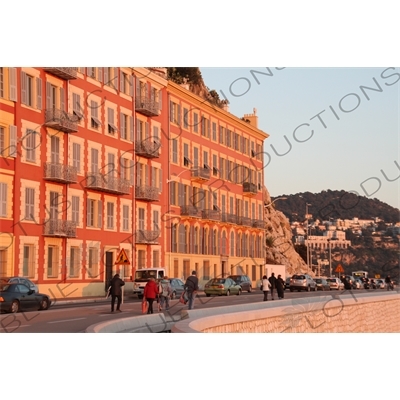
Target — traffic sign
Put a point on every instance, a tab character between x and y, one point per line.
339	269
122	258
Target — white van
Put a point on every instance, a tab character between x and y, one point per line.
143	275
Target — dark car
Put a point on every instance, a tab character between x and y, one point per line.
242	280
178	287
287	283
16	297
322	284
20	279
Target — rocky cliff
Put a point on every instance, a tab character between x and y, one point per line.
280	249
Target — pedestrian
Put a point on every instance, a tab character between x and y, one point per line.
265	287
280	284
272	281
150	294
191	287
165	295
116	292
388	281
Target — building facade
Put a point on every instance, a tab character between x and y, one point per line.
94	160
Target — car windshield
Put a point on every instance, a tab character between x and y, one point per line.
318	280
145	274
3	287
236	278
217	281
331	280
299	277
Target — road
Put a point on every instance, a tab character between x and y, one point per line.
75	318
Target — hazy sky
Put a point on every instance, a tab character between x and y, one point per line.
352	133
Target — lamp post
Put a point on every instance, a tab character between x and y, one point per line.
272	202
308	239
330	258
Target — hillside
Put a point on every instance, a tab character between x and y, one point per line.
335	204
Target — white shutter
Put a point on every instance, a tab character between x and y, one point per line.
23	87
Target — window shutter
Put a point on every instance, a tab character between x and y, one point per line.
39	93
122	124
131	85
179	114
100	214
23	87
100	74
110	116
132	176
89	71
82	70
62	99
115	78
105	73
48	95
13	141
160	180
87	212
137	89
3	199
146	130
160	100
121	81
13	84
131	128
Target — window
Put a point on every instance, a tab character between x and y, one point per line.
186	159
125	218
52	261
27	89
141	259
111	127
156	259
30	145
76	156
214	131
93	208
94	109
124	126
2	140
156	220
76	106
221	134
54	205
196	122
93	262
141	214
28	264
110	215
175	113
123	82
75	209
3	199
186	118
175	151
91	72
215	165
232	246
29	204
74	258
1	82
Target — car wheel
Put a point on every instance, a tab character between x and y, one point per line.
239	292
44	304
250	289
14	306
208	294
228	292
173	295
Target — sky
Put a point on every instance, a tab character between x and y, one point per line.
326	129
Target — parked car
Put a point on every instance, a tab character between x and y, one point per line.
287	283
20	279
16	297
322	284
358	284
351	280
302	282
242	280
178	287
380	284
222	286
335	283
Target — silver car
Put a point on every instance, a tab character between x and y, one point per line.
302	282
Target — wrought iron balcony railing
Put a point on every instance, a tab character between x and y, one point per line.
60	173
149	148
249	188
190	211
229	218
259	223
63	72
146	237
147	193
146	106
212	215
107	183
201	174
61	120
246	221
59	228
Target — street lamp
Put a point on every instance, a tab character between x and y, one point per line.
308	239
272	202
330	258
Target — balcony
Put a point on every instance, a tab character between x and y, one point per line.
63	72
146	237
147	193
259	223
60	173
59	228
229	218
107	183
245	221
190	211
249	189
61	120
149	148
201	174
212	215
146	106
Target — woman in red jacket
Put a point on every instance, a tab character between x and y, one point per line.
150	293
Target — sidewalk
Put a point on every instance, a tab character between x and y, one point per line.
80	300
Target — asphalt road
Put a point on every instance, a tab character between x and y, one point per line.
75	318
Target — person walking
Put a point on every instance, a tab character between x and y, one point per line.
272	281
116	292
191	287
165	294
280	284
265	287
388	281
150	294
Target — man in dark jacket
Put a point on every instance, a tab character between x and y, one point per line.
192	286
116	291
280	285
272	281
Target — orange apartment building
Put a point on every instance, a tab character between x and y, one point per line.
95	160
